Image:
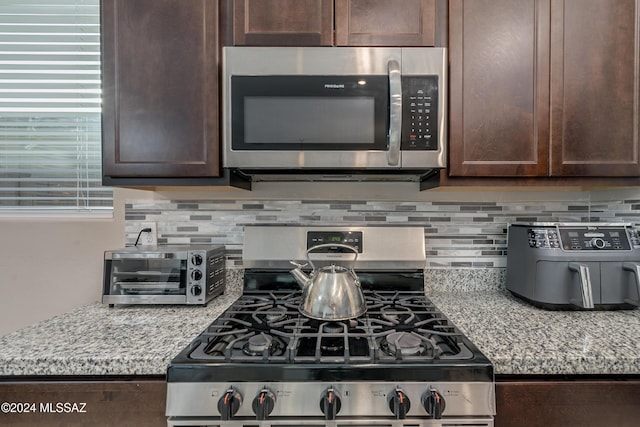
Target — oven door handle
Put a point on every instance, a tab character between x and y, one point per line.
395	113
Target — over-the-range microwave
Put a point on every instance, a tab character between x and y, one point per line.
334	113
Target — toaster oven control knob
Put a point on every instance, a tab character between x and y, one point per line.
196	259
229	403
196	290
433	403
598	243
399	403
263	404
330	404
196	274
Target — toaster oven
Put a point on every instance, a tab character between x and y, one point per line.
178	274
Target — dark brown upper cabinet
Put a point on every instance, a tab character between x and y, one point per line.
338	22
595	72
543	88
385	22
282	22
499	85
160	86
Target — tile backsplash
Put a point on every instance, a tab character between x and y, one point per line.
457	234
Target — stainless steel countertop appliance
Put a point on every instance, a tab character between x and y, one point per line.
575	266
334	113
163	274
264	362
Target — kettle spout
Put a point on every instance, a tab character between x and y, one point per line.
299	275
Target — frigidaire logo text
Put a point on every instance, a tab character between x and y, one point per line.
333	86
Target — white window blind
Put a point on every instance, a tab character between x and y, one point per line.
50	101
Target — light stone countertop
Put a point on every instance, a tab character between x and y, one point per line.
98	340
518	338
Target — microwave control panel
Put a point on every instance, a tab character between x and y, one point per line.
419	113
580	239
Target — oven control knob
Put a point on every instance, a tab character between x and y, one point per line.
433	403
196	290
196	274
229	403
263	404
196	259
399	403
330	404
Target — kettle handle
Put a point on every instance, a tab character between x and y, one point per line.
333	245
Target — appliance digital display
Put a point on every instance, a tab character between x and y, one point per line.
351	238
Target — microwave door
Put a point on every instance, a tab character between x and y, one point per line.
331	122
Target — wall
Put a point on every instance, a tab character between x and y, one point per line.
50	266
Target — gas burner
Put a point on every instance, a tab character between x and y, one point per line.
402	344
332	346
257	345
333	327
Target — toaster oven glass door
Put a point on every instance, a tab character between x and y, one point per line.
165	276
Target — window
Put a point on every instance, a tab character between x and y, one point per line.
50	103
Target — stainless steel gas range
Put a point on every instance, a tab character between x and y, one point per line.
264	363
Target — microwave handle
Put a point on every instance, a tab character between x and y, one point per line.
395	113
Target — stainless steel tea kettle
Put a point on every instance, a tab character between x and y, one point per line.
332	292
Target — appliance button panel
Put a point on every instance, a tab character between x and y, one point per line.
581	238
634	236
594	238
345	400
420	113
544	238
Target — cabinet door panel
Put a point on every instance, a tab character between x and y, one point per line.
385	22
594	97
499	83
283	22
575	403
100	402
160	83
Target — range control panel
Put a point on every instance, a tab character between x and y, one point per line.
584	238
351	238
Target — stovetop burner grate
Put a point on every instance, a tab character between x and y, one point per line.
267	327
